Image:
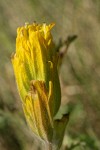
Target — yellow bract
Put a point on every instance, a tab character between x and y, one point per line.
35	68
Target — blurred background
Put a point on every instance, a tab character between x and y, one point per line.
79	72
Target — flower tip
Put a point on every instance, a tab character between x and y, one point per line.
52	25
26	24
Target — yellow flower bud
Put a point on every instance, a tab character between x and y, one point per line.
35	69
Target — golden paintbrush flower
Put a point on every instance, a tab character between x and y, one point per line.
35	68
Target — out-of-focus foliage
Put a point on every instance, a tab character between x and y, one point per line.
79	73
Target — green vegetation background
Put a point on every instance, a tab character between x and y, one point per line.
79	73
